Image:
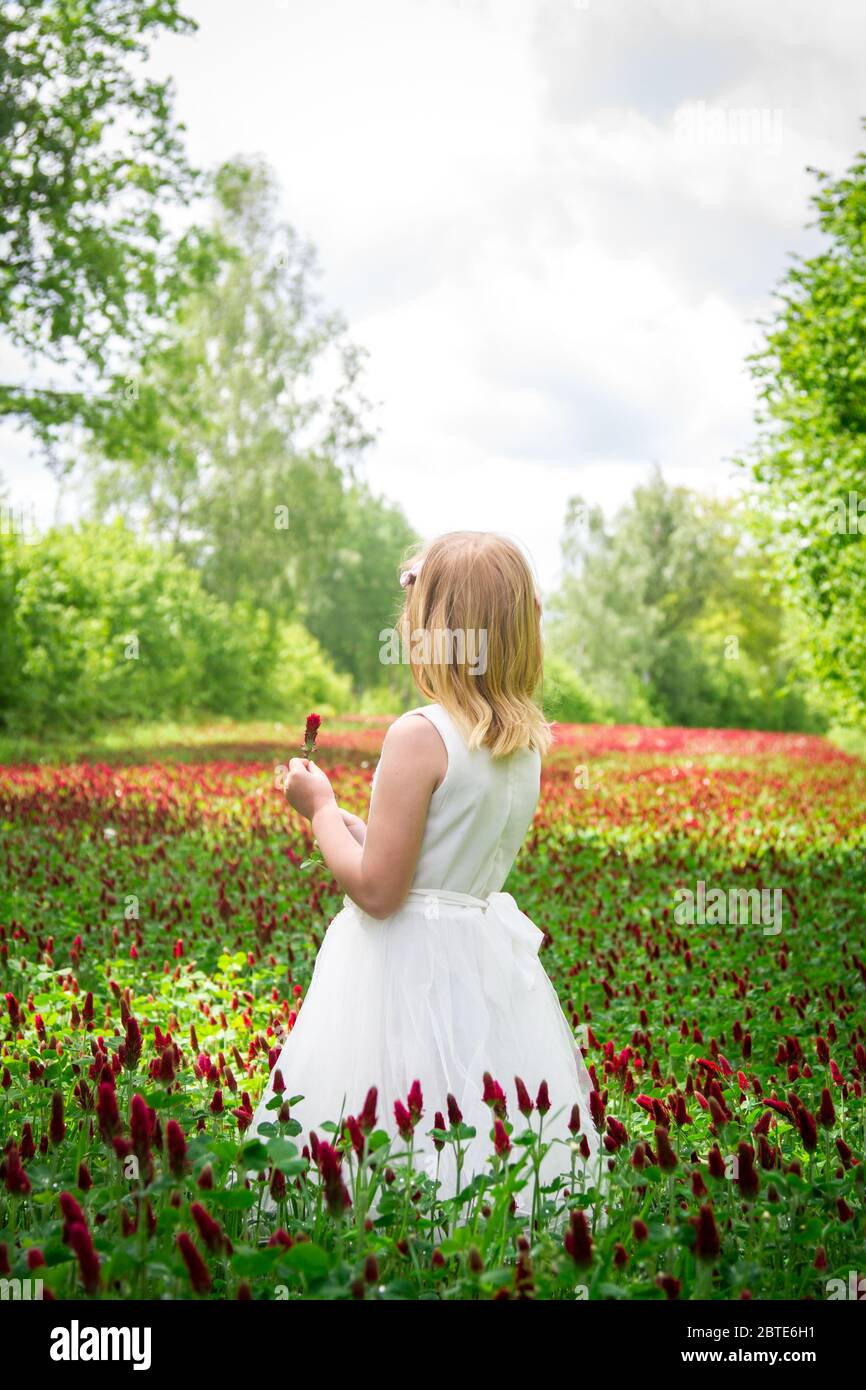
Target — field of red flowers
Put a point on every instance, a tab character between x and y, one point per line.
158	927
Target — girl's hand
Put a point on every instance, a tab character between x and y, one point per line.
307	787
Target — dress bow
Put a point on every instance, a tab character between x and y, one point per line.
526	937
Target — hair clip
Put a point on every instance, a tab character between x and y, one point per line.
409	576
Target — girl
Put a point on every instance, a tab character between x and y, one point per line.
430	972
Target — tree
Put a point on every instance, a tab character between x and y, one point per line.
89	154
238	439
667	617
233	437
360	596
809	464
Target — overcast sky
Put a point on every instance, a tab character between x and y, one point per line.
544	219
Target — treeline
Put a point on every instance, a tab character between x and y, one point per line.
233	560
668	615
665	616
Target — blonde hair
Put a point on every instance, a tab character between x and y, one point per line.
478	586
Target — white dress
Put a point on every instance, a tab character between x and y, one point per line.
447	988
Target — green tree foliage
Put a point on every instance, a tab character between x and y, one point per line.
360	596
238	441
233	437
668	618
810	463
89	156
564	696
95	624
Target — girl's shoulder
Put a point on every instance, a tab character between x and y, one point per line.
446	730
424	743
454	739
407	726
443	722
406	729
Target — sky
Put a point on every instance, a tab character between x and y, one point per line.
554	225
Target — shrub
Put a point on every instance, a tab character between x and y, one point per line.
565	698
97	624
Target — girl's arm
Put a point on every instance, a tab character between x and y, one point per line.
377	874
356	827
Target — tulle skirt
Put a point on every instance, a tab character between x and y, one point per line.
446	989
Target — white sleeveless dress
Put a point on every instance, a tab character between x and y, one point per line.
447	988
